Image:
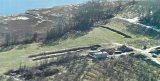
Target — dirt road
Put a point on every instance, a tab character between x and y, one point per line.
145	52
136	21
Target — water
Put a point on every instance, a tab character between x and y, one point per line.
13	7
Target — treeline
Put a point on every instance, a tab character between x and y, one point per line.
139	30
152	16
84	16
81	18
152	19
57	21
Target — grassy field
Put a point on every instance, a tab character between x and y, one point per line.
13	58
16	56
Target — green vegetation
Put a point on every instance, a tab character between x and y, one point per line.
147	10
141	36
16	56
152	19
51	24
152	16
76	26
81	68
70	18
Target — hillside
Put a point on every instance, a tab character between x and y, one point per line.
32	25
147	11
143	18
108	24
52	23
12	59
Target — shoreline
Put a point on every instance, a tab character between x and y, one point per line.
22	13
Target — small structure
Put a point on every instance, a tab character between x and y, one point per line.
124	48
158	50
98	55
95	47
151	52
118	52
110	51
154	55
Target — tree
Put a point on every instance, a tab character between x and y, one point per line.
7	39
88	13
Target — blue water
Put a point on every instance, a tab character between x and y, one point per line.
13	7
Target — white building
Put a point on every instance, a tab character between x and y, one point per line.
98	55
